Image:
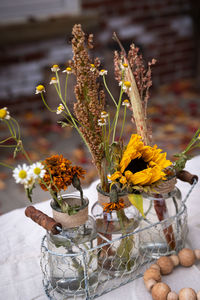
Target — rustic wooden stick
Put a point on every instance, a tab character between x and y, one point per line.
161	211
186	176
42	219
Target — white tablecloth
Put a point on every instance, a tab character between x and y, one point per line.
20	239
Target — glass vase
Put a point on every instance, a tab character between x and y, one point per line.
166	219
120	256
70	268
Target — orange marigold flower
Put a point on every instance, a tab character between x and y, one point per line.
109	207
78	171
59	173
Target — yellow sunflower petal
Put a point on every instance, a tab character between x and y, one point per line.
115	176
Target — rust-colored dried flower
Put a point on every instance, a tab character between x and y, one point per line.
59	173
109	207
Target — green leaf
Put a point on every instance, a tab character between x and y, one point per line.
137	201
64	124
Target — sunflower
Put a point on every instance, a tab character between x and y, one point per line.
141	165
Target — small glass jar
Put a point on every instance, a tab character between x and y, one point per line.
69	266
119	256
165	223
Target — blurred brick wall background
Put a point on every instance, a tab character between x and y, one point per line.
162	29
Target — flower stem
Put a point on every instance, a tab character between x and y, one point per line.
109	92
117	113
123	122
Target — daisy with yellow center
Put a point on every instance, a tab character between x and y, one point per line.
104	114
92	69
127	86
37	170
126	103
55	68
60	109
124	66
4	114
40	89
103	72
53	80
21	174
68	70
141	165
102	122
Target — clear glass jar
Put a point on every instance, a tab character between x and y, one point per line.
165	223
69	267
119	256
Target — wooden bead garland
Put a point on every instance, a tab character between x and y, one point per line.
165	265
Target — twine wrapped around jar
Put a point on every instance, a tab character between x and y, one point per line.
166	186
104	197
69	221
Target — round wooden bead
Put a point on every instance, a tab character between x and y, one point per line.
155	266
149	284
175	260
187	294
172	296
197	253
160	291
166	265
198	295
152	274
186	257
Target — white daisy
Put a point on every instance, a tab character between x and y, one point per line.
102	122
40	89
37	170
103	72
92	69
68	70
124	66
53	80
104	114
30	183
126	103
21	174
60	109
126	85
4	113
55	68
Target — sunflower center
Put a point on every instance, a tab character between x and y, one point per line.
136	165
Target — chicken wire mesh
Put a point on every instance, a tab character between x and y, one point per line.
95	268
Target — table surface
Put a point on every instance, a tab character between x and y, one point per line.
20	240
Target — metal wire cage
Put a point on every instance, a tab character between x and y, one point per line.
95	274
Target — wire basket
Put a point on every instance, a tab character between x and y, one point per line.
98	279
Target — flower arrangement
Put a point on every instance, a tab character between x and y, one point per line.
138	166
